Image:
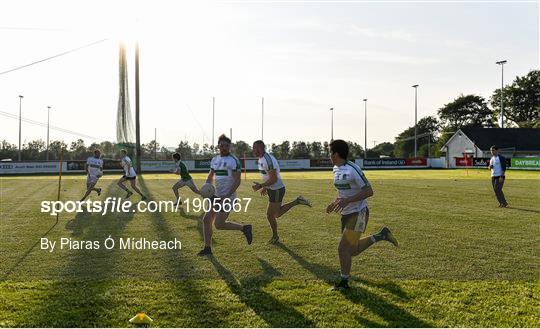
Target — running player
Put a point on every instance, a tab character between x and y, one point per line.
185	177
129	174
273	187
94	171
353	191
226	171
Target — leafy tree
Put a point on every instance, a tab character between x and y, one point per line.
404	145
521	101
196	149
466	111
55	150
147	150
207	151
240	148
274	149
299	150
184	150
326	149
8	150
316	150
33	150
385	148
93	147
355	150
284	149
78	151
107	148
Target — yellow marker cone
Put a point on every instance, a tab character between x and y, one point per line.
141	319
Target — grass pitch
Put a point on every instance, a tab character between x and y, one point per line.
462	261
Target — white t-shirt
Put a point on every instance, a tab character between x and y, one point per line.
496	170
269	162
128	167
224	167
95	166
349	180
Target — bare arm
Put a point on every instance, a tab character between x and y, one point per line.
339	204
272	173
237	179
272	178
364	193
210	178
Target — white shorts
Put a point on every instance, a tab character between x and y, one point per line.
182	183
92	179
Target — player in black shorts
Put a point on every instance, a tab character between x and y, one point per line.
353	190
273	187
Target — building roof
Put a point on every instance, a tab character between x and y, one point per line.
522	139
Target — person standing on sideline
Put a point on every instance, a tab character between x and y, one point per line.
497	164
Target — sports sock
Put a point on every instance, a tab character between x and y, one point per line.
378	237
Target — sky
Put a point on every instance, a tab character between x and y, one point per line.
303	57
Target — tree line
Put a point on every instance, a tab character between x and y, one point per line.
521	109
77	150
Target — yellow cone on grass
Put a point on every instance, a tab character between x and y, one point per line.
141	318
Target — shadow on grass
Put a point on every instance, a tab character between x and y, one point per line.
198	218
178	266
392	314
523	209
82	298
10	270
250	291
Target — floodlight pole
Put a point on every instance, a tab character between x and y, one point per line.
332	124
137	111
213	119
415	117
429	145
20	123
262	119
155	143
48	115
501	63
365	128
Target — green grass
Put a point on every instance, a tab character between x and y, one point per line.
462	262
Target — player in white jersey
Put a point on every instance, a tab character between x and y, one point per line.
226	171
129	174
353	191
94	171
273	187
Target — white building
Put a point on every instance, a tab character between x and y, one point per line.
476	142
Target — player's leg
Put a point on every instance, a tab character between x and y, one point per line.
192	186
94	188
208	221
175	189
300	200
495	189
120	184
500	194
350	244
383	235
271	215
346	247
89	187
221	223
133	183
